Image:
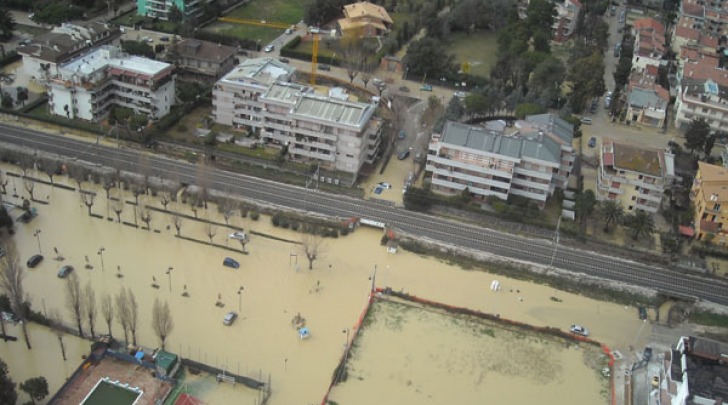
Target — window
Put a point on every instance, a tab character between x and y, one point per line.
716	207
634	197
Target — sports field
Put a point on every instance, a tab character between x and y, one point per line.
106	393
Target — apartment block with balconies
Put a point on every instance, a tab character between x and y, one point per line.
329	131
709	195
636	177
88	86
160	9
526	162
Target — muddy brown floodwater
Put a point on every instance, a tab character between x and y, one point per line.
277	285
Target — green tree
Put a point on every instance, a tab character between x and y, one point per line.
429	57
7	24
454	109
586	74
584	204
418	199
22	95
476	103
611	212
175	14
697	134
525	109
36	388
6	221
138	48
709	144
8	395
541	14
641	224
7	100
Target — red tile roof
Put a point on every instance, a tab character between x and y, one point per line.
705	69
686	230
650	24
708	226
608	159
687	33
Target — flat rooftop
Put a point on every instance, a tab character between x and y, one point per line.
263	71
112	57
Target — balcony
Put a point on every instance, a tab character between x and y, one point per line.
529	194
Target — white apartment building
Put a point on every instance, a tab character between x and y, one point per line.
530	160
636	177
702	99
330	131
88	86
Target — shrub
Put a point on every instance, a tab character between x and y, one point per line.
255	215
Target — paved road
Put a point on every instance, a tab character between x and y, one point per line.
459	234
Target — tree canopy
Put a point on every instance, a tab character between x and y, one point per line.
7	24
697	134
429	57
8	394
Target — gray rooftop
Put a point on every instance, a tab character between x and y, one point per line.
264	71
334	110
286	92
555	125
642	98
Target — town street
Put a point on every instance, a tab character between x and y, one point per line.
537	251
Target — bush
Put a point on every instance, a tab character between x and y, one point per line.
276	219
255	215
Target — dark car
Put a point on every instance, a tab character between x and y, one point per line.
592	142
65	271
164	39
230	262
35	260
403	155
284	60
324	67
642	313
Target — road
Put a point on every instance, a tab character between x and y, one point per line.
459	234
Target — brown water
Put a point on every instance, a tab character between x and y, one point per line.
263	342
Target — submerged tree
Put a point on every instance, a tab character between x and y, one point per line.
12	274
107	311
36	388
162	321
54	317
312	244
74	300
89	302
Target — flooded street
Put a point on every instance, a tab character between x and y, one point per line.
277	286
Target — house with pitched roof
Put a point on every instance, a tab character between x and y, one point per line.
709	195
634	176
648	105
330	131
530	160
365	19
649	43
205	58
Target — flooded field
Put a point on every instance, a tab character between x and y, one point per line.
276	286
409	354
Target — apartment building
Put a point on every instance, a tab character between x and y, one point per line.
330	131
709	195
634	176
531	159
160	9
709	16
63	43
90	85
649	43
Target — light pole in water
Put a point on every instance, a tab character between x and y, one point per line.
37	236
101	255
169	273
240	298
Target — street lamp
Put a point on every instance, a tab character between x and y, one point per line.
240	297
101	254
169	273
37	236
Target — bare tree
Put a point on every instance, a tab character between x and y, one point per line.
137	190
12	274
89	301
210	231
107	310
366	75
51	169
227	208
204	172
123	312
243	241
78	174
74	300
108	182
145	169
165	197
54	317
3	182
162	321
118	205
133	314
29	185
312	245
145	214
177	221
87	198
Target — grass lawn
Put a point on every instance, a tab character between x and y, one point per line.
479	50
285	11
254	32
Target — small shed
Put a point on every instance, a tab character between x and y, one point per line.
166	363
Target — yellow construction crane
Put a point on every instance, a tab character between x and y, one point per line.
314	58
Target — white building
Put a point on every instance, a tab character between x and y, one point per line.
88	86
330	131
531	161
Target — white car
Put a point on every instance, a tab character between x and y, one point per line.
269	48
579	330
384	185
240	235
230	318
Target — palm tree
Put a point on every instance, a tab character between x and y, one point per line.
611	212
641	224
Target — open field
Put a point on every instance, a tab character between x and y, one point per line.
279	11
277	286
478	50
421	355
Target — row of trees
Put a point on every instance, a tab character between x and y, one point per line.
611	213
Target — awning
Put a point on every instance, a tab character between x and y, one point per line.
686	230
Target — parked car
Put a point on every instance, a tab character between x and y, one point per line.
230	317
34	261
164	39
460	94
586	120
284	60
402	134
592	142
426	87
230	262
324	67
269	48
239	235
384	185
403	155
642	313
404	89
579	330
65	271
288	31
607	102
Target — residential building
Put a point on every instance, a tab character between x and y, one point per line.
63	43
160	9
694	372
365	19
329	131
709	195
709	16
530	160
205	58
636	177
649	43
648	106
567	12
702	98
88	86
685	35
